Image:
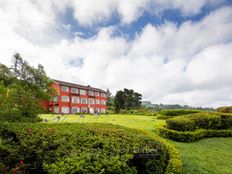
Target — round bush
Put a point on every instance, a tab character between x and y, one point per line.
82	148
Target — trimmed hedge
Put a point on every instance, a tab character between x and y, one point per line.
84	148
202	120
192	136
225	109
169	113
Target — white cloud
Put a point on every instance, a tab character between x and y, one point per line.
187	64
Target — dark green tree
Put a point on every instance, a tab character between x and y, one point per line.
127	99
110	100
23	89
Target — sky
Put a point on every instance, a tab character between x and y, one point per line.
170	51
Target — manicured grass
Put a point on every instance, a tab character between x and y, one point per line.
206	156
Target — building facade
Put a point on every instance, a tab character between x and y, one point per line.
74	98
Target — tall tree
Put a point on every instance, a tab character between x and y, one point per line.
23	88
127	99
110	100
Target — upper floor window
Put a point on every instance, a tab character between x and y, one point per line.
74	90
75	100
64	88
56	99
103	94
84	101
91	101
65	98
97	94
103	102
97	102
90	93
82	92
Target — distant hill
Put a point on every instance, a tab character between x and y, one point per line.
160	106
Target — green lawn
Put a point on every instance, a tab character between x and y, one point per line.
207	156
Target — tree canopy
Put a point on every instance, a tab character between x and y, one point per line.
23	88
127	99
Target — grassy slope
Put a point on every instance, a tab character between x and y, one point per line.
207	156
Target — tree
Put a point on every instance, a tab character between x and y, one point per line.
127	99
110	100
23	88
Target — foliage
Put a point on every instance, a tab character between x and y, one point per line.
177	112
139	111
23	88
200	121
84	148
109	101
225	109
127	99
190	136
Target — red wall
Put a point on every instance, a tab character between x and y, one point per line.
69	104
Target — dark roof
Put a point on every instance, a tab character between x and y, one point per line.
78	86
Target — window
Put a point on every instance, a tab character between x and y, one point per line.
65	110
74	90
84	109
98	110
75	100
91	101
75	110
103	110
82	92
64	88
56	109
103	102
97	102
97	94
103	94
90	93
65	98
56	99
84	101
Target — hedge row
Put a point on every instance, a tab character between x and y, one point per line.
191	122
83	148
225	109
192	136
169	113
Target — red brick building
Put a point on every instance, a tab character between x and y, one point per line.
74	98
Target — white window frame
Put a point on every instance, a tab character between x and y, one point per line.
77	110
103	102
97	102
103	95
82	92
75	99
84	99
74	90
63	99
90	93
91	99
97	94
64	87
65	109
103	110
56	98
56	109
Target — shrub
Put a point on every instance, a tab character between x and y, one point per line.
180	124
225	109
202	120
188	136
176	112
83	148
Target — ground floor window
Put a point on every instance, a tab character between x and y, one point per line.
56	109
98	110
103	110
65	110
75	110
84	109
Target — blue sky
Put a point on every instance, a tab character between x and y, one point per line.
171	51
